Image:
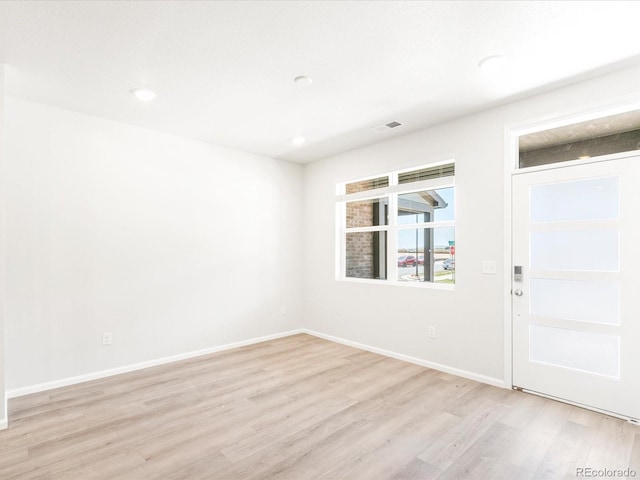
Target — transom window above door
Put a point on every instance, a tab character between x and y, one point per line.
582	140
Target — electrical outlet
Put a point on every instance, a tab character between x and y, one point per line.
431	333
283	309
489	267
107	338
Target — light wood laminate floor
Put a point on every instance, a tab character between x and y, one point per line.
304	408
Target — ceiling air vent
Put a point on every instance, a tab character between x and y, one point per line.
386	127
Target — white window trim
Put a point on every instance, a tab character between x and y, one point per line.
391	193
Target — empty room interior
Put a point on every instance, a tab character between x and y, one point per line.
319	240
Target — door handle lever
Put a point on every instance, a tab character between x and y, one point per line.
518	292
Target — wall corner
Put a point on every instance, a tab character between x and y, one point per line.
3	397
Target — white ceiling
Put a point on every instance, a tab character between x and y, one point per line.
223	71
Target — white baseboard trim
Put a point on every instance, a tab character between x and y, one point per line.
41	387
496	382
64	382
4	423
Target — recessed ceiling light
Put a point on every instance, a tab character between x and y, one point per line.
298	140
303	80
492	63
143	94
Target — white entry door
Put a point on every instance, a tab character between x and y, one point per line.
576	297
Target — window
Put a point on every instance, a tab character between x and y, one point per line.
399	228
579	141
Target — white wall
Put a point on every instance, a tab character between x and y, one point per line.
470	319
173	245
3	404
176	245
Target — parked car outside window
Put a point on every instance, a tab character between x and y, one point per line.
406	261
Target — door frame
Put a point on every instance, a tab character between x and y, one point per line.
511	134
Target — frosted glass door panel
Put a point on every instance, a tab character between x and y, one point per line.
585	351
581	300
593	250
592	199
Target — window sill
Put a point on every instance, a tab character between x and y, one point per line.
396	283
